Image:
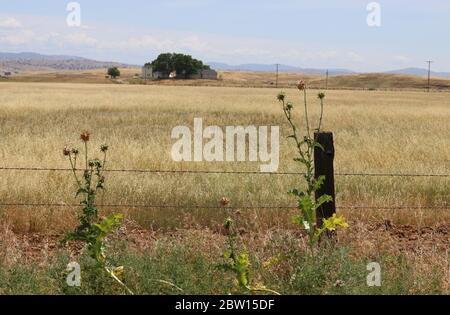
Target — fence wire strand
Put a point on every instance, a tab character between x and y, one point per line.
161	171
158	206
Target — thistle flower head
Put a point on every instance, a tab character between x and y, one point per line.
281	96
85	136
301	85
75	151
66	152
321	95
228	223
224	201
95	163
289	105
104	147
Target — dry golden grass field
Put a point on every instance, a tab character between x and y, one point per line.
375	132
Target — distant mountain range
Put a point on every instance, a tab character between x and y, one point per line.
35	56
419	72
30	61
287	68
271	68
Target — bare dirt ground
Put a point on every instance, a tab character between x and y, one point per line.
364	238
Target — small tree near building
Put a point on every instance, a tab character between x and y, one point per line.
113	72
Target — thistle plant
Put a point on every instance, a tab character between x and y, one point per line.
305	145
238	262
93	230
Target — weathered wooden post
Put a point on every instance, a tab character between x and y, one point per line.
323	165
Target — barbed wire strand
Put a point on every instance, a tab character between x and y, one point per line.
38	169
63	205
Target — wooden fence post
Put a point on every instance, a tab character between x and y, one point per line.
323	165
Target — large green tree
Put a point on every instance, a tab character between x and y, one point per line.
183	65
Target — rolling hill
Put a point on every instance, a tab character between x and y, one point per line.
29	61
420	72
33	67
313	71
254	67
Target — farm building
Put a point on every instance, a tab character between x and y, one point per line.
5	74
149	74
206	74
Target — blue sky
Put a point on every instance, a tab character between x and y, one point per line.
320	34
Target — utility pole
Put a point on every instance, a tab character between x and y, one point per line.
326	82
429	73
276	83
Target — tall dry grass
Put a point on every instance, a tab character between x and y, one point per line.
379	132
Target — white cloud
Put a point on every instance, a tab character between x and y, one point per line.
355	57
188	3
80	39
10	23
18	38
137	45
401	58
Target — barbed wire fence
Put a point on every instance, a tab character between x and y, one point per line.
38	169
218	172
